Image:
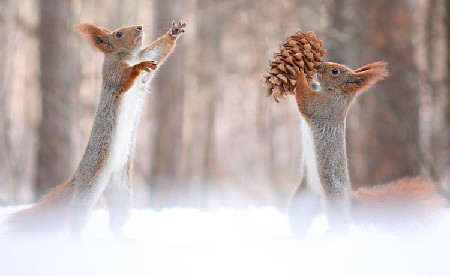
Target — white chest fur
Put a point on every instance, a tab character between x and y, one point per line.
126	124
128	118
310	160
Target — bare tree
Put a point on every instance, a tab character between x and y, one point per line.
383	126
446	177
430	47
168	109
6	18
59	92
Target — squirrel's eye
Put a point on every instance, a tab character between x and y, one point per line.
119	34
334	71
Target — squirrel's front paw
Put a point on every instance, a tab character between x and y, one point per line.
147	65
177	28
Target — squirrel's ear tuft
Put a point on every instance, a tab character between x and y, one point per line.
96	36
363	78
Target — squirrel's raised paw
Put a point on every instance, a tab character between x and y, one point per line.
301	78
147	65
177	28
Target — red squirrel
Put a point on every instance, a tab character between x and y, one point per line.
106	165
325	183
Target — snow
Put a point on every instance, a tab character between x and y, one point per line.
253	241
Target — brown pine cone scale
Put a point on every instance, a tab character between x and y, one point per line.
300	53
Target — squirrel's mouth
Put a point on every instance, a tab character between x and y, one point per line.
317	77
138	40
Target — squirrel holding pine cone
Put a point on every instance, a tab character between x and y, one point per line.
405	204
301	53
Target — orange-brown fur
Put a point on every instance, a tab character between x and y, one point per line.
107	162
95	36
397	205
131	73
405	203
106	41
46	216
303	94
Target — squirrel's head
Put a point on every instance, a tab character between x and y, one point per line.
338	87
338	79
128	39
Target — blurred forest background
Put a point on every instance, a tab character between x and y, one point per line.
208	136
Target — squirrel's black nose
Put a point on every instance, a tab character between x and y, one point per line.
139	28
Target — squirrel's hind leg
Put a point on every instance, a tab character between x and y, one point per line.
87	191
337	210
303	208
118	196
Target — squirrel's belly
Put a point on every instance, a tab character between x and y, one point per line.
310	160
129	111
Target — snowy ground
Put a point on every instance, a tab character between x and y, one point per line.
248	242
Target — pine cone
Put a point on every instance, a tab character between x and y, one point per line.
300	53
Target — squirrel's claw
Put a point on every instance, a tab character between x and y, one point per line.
177	28
149	65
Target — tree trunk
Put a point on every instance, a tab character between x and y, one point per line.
430	44
210	33
59	95
6	21
168	109
393	147
383	125
446	178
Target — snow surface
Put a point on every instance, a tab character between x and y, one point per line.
255	241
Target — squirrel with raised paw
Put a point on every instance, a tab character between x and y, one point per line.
106	166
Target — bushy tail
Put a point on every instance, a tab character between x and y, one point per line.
45	217
403	205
